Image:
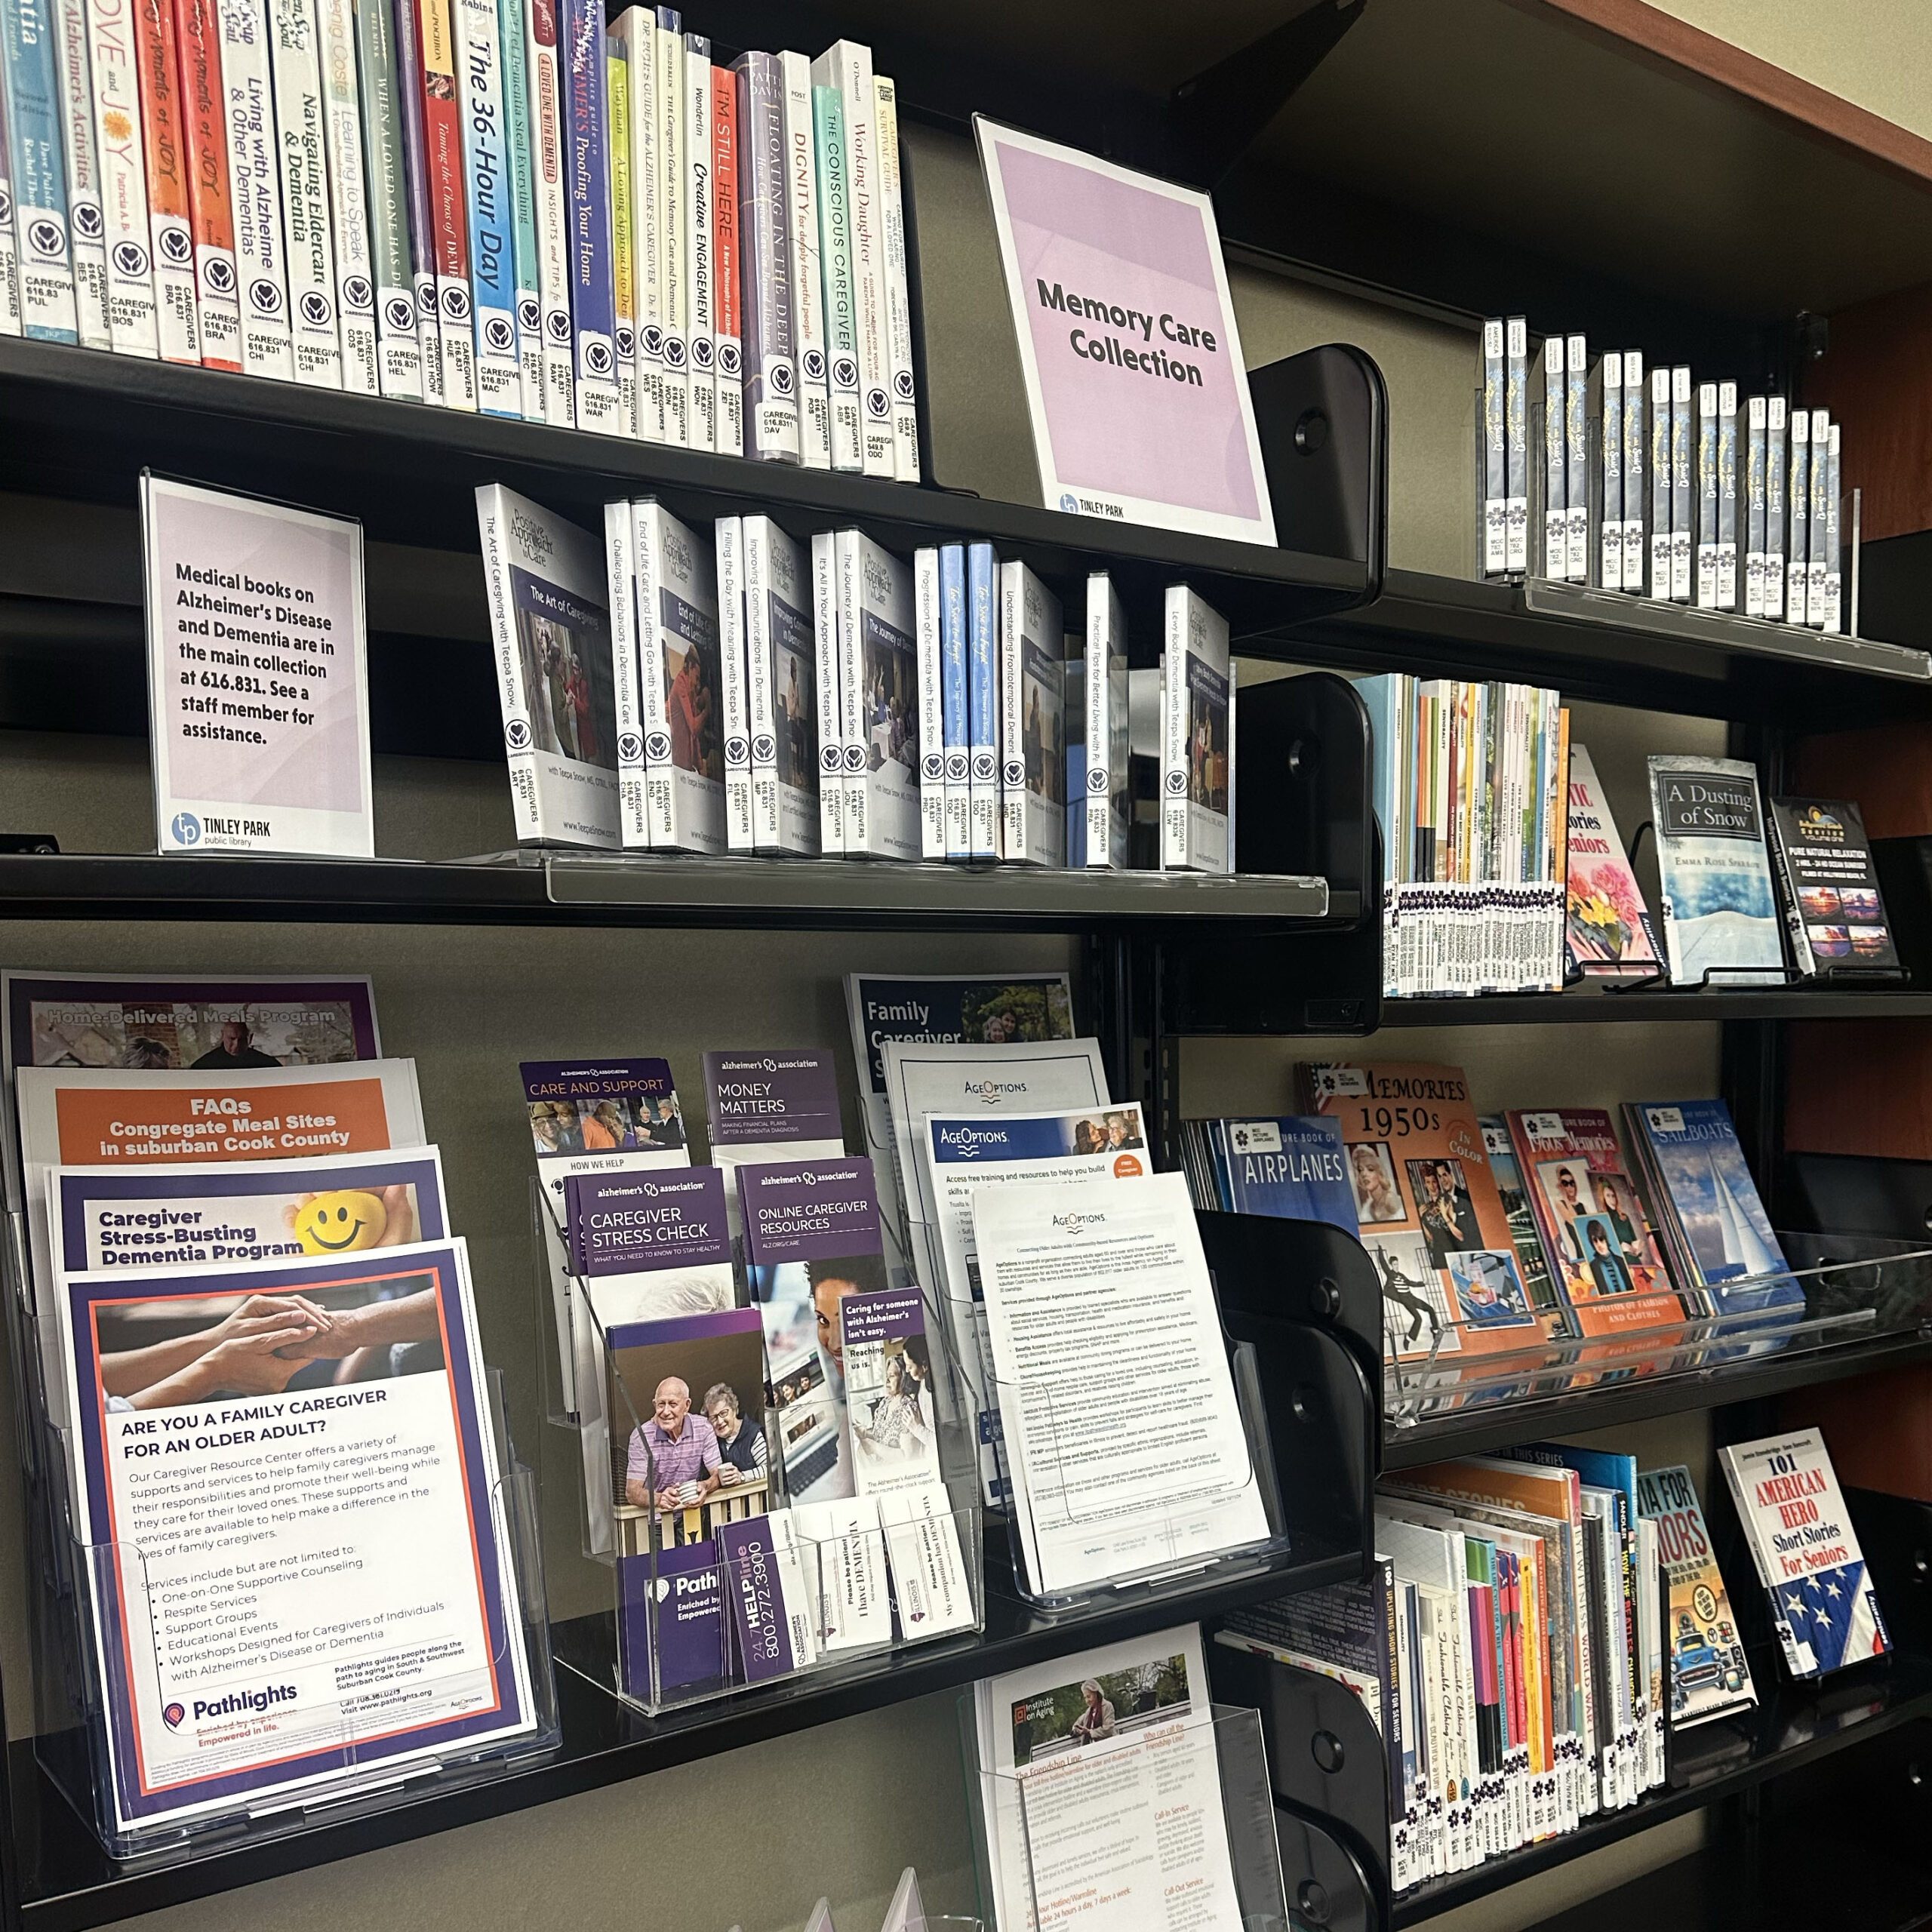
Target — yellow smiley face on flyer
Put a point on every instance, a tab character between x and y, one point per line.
340	1223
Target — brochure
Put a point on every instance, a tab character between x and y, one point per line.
1149	1463
841	1555
340	1597
692	1655
770	1104
929	1580
891	1406
767	1597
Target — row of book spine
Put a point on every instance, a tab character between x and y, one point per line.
495	205
1658	485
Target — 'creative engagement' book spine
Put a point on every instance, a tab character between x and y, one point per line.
525	275
1610	435
398	348
983	701
772	385
1707	496
831	743
898	301
29	75
1576	459
1660	483
587	183
1516	454
1634	440
728	536
955	702
114	79
1798	494
842	311
673	190
931	675
1495	462
1814	574
727	263
1683	484
544	54
349	201
807	284
301	140
1555	560
170	225
86	226
1834	556
623	236
492	231
423	256
442	135
847	65
266	349
1776	472
1726	487
701	315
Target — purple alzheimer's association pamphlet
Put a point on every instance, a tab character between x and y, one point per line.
765	1591
694	1651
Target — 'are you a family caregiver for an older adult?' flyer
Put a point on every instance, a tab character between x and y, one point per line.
298	1562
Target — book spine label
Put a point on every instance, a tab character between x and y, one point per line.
831	745
702	315
1834	554
623	231
771	386
932	676
1660	452
1798	494
301	140
1634	444
543	50
842	309
30	75
673	190
587	177
850	591
10	260
1727	494
640	29
348	200
1707	496
1609	440
726	262
1576	458
519	143
1814	574
442	131
982	701
398	348
733	676
209	200
1555	559
171	228
255	191
86	226
893	276
1776	473
114	78
1683	484
1516	452
1754	506
492	232
955	702
415	181
849	68
807	280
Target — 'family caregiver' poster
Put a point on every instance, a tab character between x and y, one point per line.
1134	376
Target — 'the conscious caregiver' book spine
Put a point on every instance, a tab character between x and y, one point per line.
114	77
847	65
398	347
587	185
982	703
727	262
780	654
29	72
807	285
520	138
677	607
300	129
86	224
955	701
544	57
841	287
442	134
170	222
348	200
771	381
893	279
932	704
256	187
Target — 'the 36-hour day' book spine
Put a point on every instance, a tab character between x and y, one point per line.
1660	483
587	185
398	349
543	54
348	200
1797	495
255	191
29	75
700	265
1814	574
1682	483
524	275
10	260
841	301
932	702
170	225
1495	462
847	65
423	255
830	699
1707	496
302	141
983	701
893	279
1554	561
1754	506
771	383
1576	457
1634	443
1776	475
1516	453
673	190
492	222
802	218
727	262
1727	490
624	237
86	227
442	135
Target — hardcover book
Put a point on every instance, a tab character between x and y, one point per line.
1197	738
637	29
842	311
679	672
10	260
847	66
623	226
780	664
348	200
1032	706
1828	887
1720	919
1607	932
1822	1604
1709	1674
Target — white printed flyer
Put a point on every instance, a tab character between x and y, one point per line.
300	1572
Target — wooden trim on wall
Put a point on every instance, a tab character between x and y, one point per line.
1665	43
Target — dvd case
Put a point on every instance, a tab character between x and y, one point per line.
679	676
1797	496
1031	647
1726	497
982	676
1608	382
734	693
1660	484
1105	805
1834	556
831	709
1683	484
878	698
1492	526
1707	496
779	653
1636	501
1197	738
1776	459
955	702
1754	506
1516	452
1816	565
1555	562
926	598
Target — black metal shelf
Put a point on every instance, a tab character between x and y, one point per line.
1795	1725
1599	1006
67	1883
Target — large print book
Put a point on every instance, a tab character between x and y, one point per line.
1431	1217
549	619
1293	1166
1828	887
1607	932
1710	1676
1720	919
1823	1606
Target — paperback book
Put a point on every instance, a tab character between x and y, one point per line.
1710	1676
879	700
1607	932
1524	1235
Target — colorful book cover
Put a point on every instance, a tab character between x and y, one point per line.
672	192
1822	1604
398	347
114	78
210	203
701	291
770	361
841	310
423	243
1607	927
956	705
349	200
29	72
807	276
780	660
982	703
624	226
894	284
637	29
1430	1215
86	225
846	67
170	226
302	146
879	699
487	203
1708	1674
544	61
1720	918
1525	1236
1293	1167
1828	887
587	181
1032	736
520	140
727	263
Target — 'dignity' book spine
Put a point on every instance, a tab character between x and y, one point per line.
1798	497
847	66
29	74
772	397
1492	516
1776	475
492	230
842	311
825	643
349	200
1814	574
1634	442
1660	584
1727	495
727	262
519	139
587	179
1516	453
1834	555
256	186
638	30
1754	506
170	226
672	192
543	52
415	179
701	313
1683	484
398	348
983	700
1556	563
894	277
210	200
442	133
1576	458
10	261
1609	469
931	675
808	279
623	228
1707	496
301	142
86	226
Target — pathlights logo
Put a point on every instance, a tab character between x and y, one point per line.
171	1714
